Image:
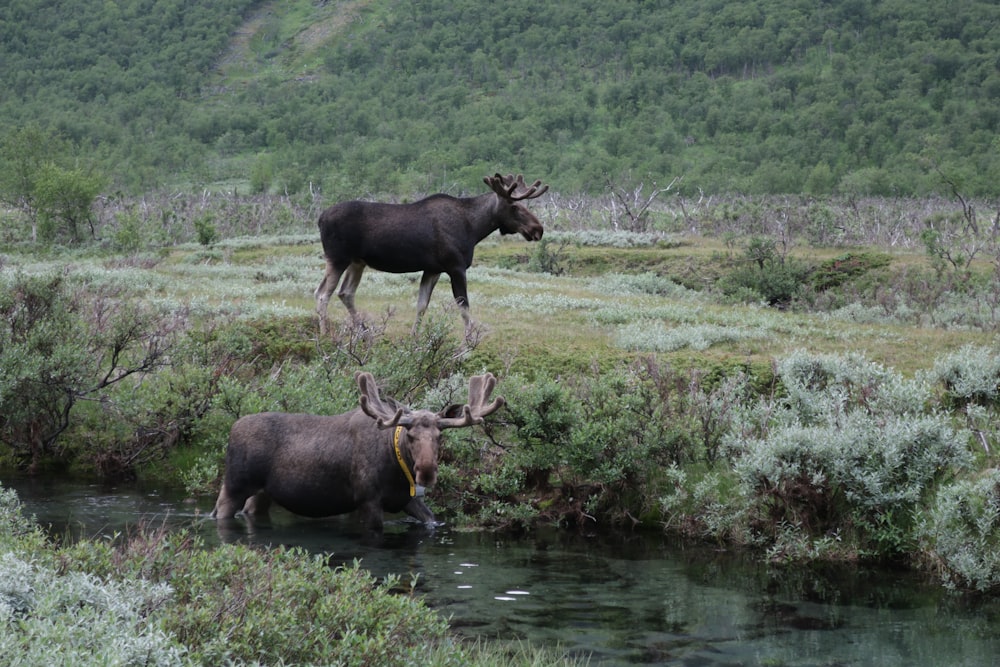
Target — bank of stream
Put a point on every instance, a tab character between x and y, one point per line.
618	598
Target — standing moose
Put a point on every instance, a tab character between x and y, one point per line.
319	466
435	235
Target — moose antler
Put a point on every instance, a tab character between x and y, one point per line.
480	388
384	414
506	186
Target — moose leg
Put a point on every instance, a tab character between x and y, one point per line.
419	511
370	513
459	289
258	504
228	504
326	287
427	283
352	277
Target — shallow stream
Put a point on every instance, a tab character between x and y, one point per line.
621	599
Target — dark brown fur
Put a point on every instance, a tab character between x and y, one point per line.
434	235
325	465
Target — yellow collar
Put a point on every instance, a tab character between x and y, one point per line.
402	463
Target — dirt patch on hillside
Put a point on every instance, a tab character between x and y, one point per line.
344	13
328	19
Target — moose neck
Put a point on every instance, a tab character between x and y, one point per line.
486	219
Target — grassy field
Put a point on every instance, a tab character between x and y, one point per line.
608	304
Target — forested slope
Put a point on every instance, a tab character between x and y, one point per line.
854	96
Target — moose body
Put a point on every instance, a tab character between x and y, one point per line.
318	466
434	235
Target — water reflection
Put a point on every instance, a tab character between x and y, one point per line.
622	599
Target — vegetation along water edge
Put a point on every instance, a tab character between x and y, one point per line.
808	369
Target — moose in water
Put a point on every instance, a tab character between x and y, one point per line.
375	459
435	235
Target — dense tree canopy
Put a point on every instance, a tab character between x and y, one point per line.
758	96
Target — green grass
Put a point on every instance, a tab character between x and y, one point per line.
531	320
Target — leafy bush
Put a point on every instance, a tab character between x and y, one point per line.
542	412
225	603
960	533
408	365
820	387
45	370
18	533
616	443
849	266
607	238
41	364
546	259
777	284
851	452
48	617
764	275
204	227
655	336
77	619
970	375
643	283
604	443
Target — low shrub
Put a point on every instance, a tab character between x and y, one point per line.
74	619
850	266
764	275
960	533
969	375
851	451
542	413
861	478
62	344
820	387
598	449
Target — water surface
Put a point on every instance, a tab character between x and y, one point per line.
621	599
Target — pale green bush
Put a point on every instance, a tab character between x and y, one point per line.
961	533
862	476
108	602
971	374
820	387
53	618
18	533
608	238
76	619
650	336
711	507
644	283
541	304
853	450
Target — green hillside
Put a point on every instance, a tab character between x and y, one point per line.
757	96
